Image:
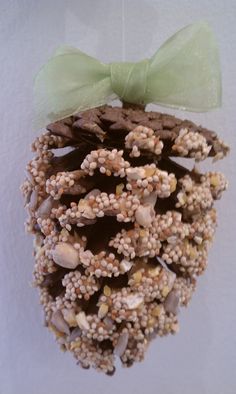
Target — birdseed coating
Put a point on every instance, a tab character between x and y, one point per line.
154	282
194	197
184	287
192	144
43	265
138	242
143	138
108	162
96	205
122	305
122	232
217	182
170	227
48	141
65	183
79	286
191	259
147	179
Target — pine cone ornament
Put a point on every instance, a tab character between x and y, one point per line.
121	231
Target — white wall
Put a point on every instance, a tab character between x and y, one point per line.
202	357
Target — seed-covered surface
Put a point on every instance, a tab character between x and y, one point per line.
122	231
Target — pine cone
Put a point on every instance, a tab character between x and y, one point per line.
121	230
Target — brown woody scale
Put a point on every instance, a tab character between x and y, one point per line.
121	230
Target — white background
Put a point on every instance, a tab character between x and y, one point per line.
202	357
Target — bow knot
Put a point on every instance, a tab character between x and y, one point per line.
184	73
129	80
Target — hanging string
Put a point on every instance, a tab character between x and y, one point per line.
123	29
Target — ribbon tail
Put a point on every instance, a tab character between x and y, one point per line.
185	72
70	82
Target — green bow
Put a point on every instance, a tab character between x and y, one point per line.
184	73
